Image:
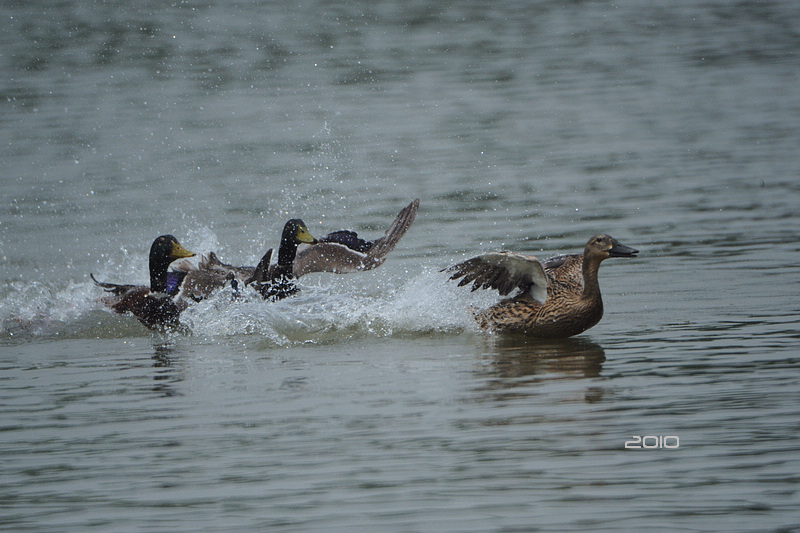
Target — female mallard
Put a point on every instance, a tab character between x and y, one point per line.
156	305
559	298
299	254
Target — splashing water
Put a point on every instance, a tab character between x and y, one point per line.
329	308
42	309
333	308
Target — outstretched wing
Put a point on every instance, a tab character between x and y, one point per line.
382	246
504	272
332	254
330	257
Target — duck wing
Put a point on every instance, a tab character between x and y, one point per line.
199	284
565	269
504	272
208	275
212	265
342	252
330	257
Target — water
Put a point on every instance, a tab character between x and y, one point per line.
371	402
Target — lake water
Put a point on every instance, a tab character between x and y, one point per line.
371	402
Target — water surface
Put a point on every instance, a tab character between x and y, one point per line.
371	402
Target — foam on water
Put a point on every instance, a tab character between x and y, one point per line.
42	308
328	309
333	308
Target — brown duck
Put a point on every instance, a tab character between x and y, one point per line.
557	298
159	304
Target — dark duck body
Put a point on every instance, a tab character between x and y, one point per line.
159	304
557	298
276	282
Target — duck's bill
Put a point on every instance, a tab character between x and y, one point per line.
179	251
620	250
304	236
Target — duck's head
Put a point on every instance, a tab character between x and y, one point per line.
296	232
164	251
604	246
167	248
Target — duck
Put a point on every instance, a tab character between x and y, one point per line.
556	298
299	254
276	282
344	252
158	305
210	274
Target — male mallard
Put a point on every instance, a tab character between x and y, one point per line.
156	305
559	298
299	254
210	274
276	282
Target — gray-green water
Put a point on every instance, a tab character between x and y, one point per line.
371	402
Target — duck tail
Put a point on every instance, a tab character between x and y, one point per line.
261	269
111	287
210	261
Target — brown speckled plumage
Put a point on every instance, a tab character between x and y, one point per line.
573	302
